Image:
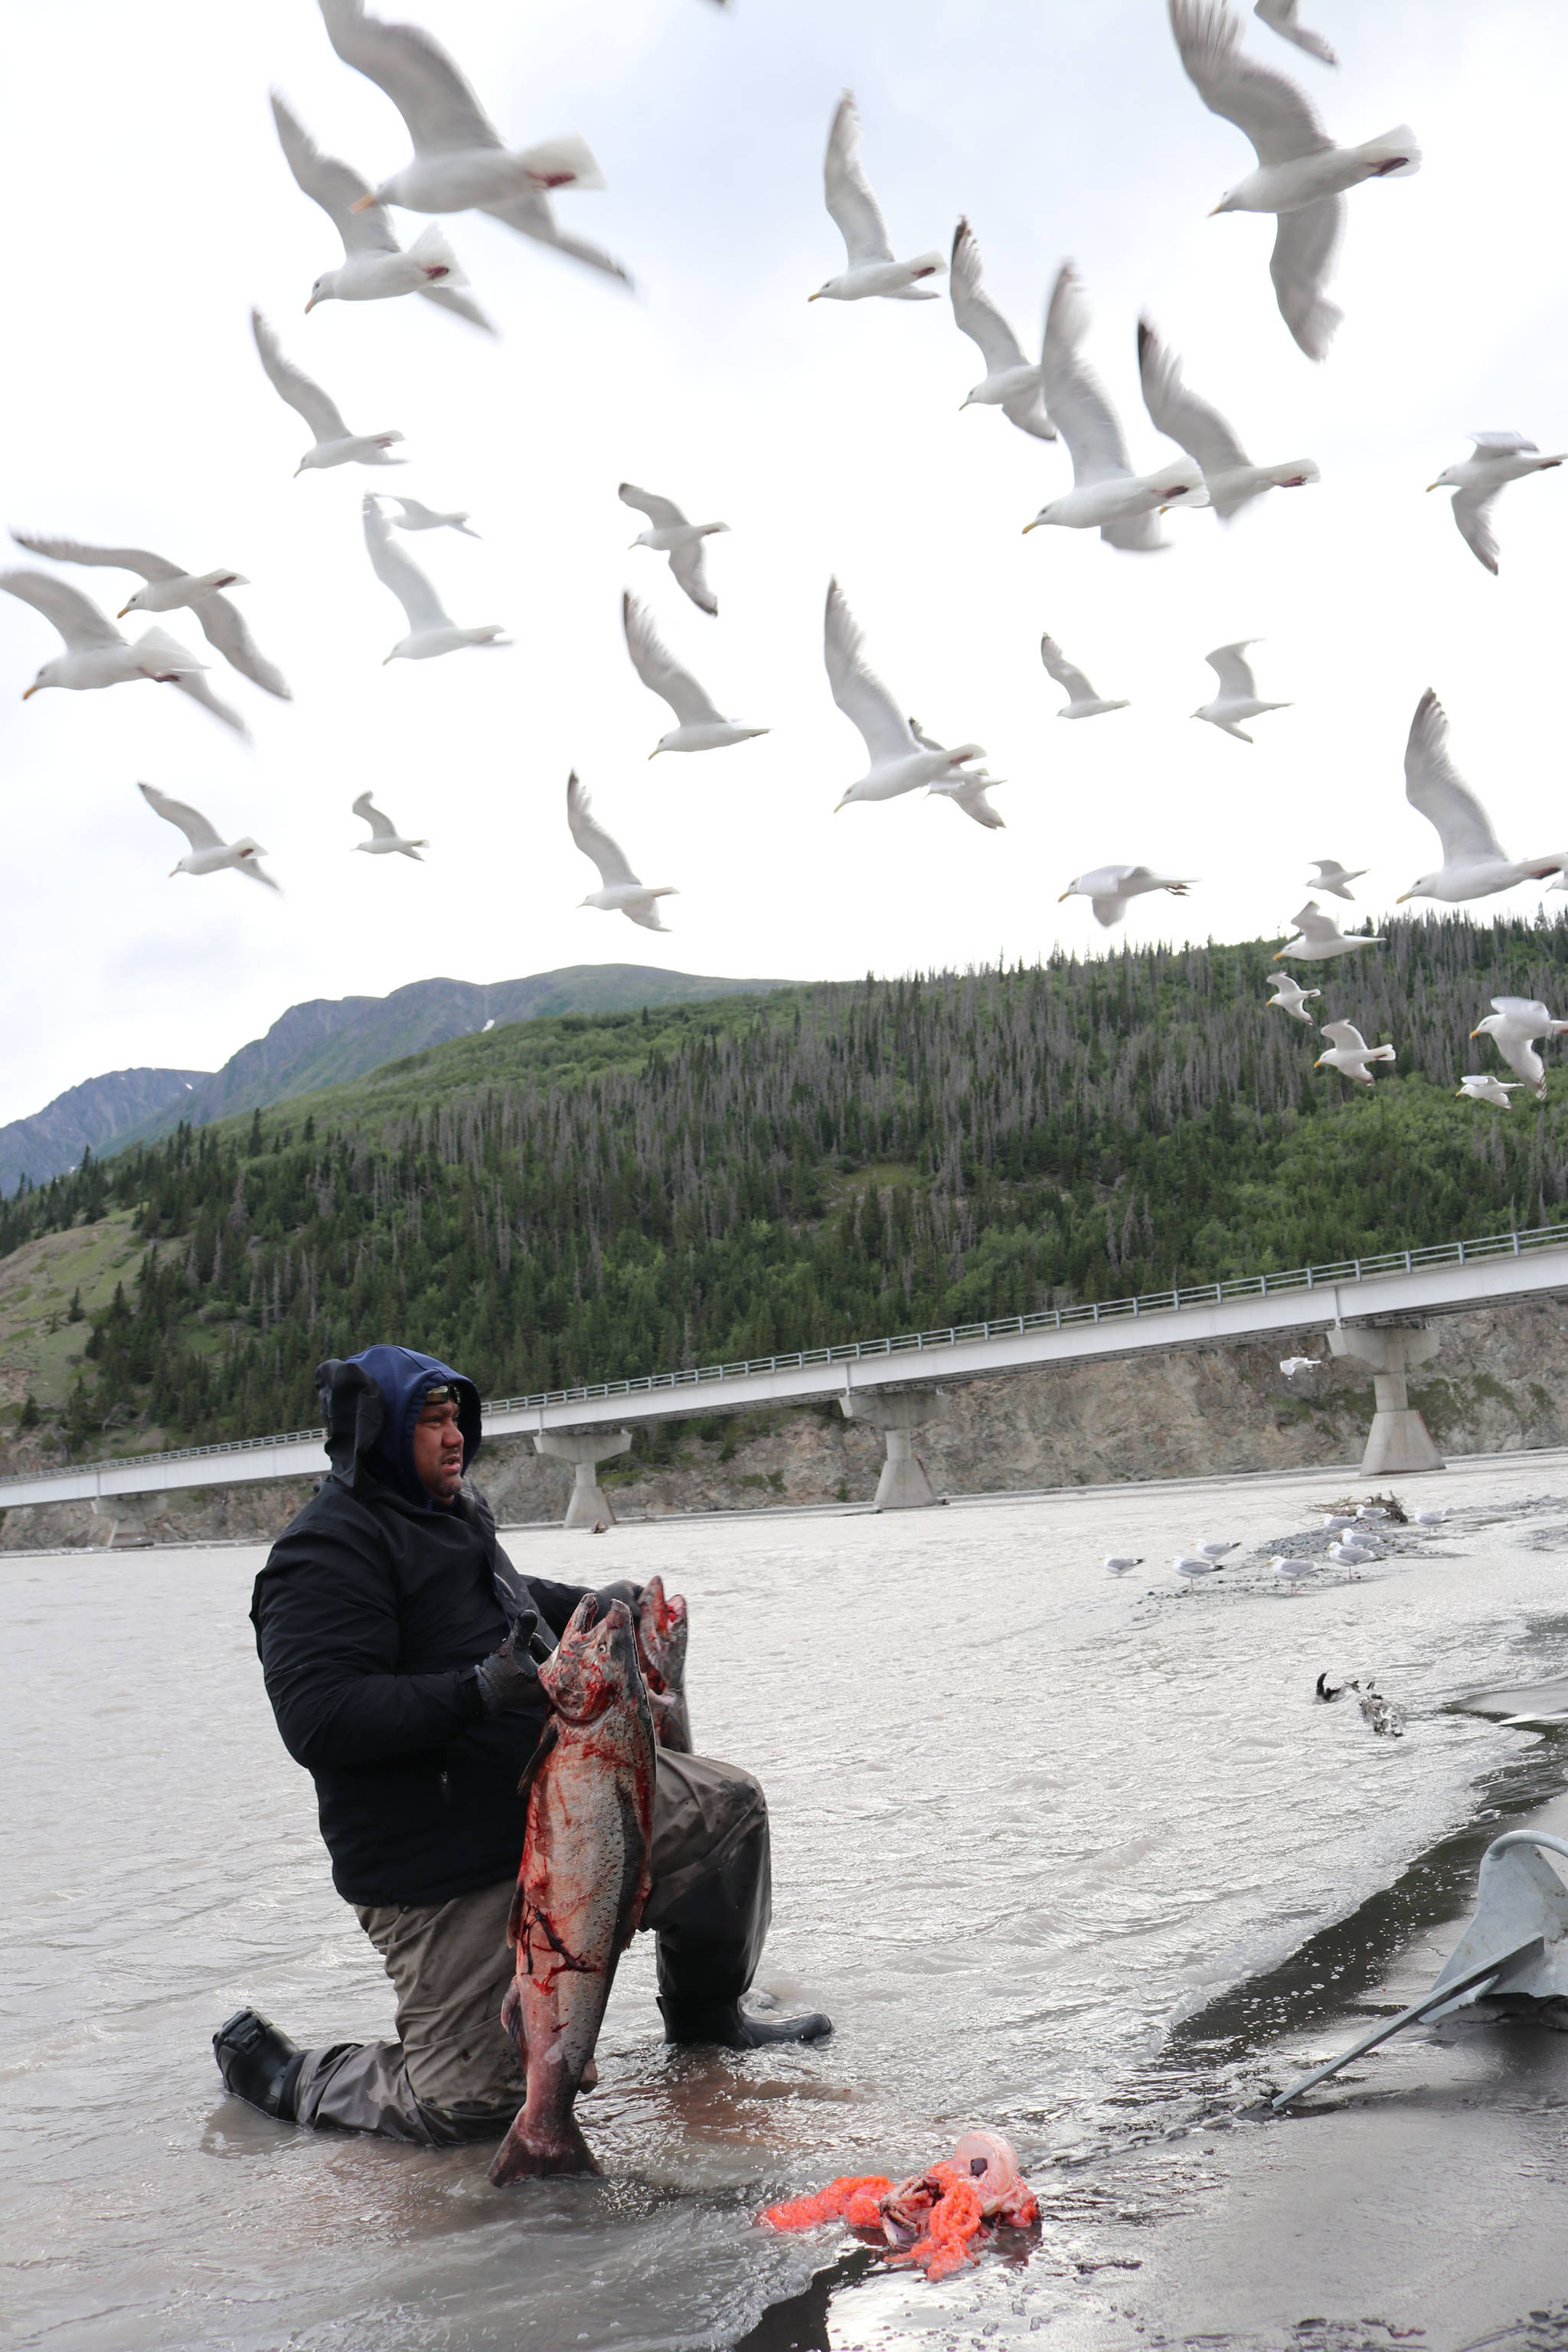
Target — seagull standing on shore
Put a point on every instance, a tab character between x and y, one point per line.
1107	496
1513	1025
1237	698
1230	475
1336	879
619	891
431	629
1475	865
1011	382
1349	1052
375	267
334	444
1320	939
1301	175
870	268
1475	482
167	589
384	838
1082	702
672	535
899	763
209	853
1290	996
96	654
699	726
1109	888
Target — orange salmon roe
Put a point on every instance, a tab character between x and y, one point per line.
853	2198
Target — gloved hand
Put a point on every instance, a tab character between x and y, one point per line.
624	1589
509	1677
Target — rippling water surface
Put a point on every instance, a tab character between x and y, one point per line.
1025	1820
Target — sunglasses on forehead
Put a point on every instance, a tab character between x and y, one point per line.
442	1394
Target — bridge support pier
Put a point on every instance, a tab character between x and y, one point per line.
897	1412
589	1506
1399	1439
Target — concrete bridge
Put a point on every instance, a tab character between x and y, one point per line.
1377	1310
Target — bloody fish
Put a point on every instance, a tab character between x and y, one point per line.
662	1629
583	1882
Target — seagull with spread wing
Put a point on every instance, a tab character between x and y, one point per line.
1320	939
1237	698
334	444
967	792
431	629
672	535
1282	16
1082	701
1107	496
459	163
870	268
415	517
1513	1025
1108	889
1290	996
900	762
1480	1086
1475	864
1230	475
209	853
166	588
619	891
1301	175
1475	482
1349	1052
1336	879
699	726
96	654
375	267
385	841
1011	382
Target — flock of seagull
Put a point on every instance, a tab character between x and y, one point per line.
1354	1544
460	161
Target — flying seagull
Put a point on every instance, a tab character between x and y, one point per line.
1011	382
1513	1025
1336	879
673	536
619	891
1480	1086
1349	1052
209	853
167	587
1475	865
1109	888
966	791
1105	495
96	654
870	268
1500	458
431	629
334	444
1083	702
1301	175
384	838
699	727
900	762
1282	16
415	516
1290	996
1237	697
1320	939
1230	475
374	266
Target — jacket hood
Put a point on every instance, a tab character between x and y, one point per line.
370	1402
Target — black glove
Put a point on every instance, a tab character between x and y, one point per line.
509	1677
622	1590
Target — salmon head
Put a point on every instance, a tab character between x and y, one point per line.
595	1665
661	1636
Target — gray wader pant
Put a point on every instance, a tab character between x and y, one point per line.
452	2074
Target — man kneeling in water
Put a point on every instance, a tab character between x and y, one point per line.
394	1638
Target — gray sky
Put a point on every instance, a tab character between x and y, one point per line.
141	151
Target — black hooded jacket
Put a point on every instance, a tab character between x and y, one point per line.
374	1608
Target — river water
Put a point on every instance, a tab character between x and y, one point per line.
1026	1820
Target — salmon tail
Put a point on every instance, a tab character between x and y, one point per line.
527	2155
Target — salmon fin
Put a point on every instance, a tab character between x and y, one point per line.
511	2021
514	1917
565	2152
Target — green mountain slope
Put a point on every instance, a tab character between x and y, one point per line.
594	1196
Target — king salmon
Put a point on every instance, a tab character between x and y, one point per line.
583	1882
662	1629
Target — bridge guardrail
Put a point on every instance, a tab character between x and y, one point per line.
855	1351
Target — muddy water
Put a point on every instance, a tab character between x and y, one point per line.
1031	1825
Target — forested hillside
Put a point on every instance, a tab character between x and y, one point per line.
594	1196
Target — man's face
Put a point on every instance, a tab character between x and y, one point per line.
439	1448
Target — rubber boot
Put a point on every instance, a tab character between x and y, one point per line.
730	2027
259	2063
